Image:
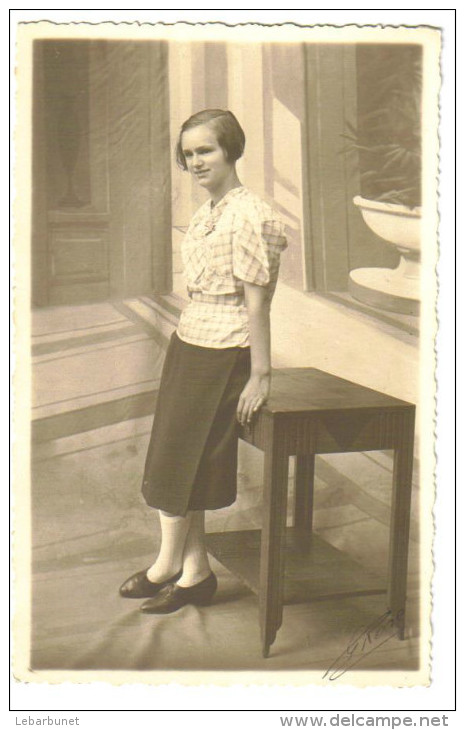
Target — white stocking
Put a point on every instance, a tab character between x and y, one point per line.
174	531
195	559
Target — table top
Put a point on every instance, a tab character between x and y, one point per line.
300	390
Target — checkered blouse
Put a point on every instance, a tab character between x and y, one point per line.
240	239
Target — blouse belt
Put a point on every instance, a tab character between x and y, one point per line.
233	298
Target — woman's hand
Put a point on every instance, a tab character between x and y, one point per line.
254	395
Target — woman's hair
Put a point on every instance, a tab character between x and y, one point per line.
229	133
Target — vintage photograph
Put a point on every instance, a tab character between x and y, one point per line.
230	285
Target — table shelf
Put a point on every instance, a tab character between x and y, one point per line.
314	569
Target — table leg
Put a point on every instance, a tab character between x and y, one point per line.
272	539
304	483
400	521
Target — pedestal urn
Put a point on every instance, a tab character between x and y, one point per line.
396	290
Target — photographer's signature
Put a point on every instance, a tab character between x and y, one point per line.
364	643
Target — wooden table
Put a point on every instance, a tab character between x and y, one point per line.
312	412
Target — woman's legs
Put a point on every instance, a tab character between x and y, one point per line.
174	530
183	538
182	546
195	566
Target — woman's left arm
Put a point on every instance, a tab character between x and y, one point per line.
257	389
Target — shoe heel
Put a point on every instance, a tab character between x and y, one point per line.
205	596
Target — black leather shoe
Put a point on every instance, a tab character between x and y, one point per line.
174	597
139	586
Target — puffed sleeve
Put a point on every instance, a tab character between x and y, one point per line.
257	244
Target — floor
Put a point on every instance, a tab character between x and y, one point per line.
95	375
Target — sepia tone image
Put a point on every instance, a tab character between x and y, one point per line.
231	254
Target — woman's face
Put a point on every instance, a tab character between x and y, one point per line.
205	159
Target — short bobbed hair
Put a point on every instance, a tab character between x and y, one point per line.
229	133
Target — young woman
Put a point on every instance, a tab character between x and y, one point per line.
216	373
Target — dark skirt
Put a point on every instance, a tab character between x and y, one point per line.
192	456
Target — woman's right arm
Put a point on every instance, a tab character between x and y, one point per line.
257	389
